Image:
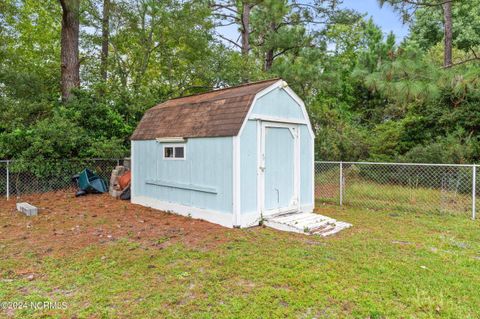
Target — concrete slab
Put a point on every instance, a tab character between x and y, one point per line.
27	209
306	223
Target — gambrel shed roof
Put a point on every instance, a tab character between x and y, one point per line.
216	113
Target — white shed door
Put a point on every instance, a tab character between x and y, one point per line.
279	168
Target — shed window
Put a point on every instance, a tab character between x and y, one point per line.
173	152
179	153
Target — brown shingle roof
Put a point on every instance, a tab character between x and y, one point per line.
216	113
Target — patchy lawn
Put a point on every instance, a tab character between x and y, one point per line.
107	258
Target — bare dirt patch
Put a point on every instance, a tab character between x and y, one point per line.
66	223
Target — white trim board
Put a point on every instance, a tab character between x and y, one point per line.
306	208
282	85
236	192
132	170
259	164
171	140
276	119
190	187
224	219
312	147
250	219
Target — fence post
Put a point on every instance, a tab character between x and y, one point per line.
341	183
8	180
474	190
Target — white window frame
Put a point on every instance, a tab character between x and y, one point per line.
173	146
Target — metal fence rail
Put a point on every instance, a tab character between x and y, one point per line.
19	178
434	188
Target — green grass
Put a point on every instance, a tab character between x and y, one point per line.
403	198
368	194
400	265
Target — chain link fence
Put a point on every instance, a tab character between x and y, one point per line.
432	188
19	178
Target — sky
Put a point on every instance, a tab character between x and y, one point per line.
384	17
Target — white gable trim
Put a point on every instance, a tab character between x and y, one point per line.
257	96
282	85
297	99
238	220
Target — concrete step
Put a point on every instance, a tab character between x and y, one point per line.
306	223
286	218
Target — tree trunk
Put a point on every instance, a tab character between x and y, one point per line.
105	36
70	61
447	16
269	55
268	60
245	29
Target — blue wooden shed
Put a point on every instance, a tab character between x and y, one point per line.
231	156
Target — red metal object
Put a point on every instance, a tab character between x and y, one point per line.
124	180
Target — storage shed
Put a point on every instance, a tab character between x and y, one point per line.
232	156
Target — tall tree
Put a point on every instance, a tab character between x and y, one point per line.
288	26
105	38
427	26
408	7
447	18
275	27
246	8
229	12
159	47
270	21
70	60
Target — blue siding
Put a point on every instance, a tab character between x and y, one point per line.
205	178
248	168
278	103
202	180
306	167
